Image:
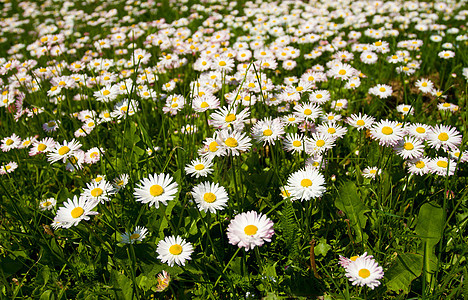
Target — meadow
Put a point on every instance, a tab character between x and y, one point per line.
233	149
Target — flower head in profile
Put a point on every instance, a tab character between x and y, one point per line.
163	281
138	234
250	229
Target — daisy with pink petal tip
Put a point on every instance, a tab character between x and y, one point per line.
364	271
250	229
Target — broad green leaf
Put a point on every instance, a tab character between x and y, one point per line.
429	228
350	203
406	268
121	285
47	295
322	247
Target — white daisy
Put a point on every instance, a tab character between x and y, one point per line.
306	184
174	250
75	210
210	196
98	191
156	188
388	133
47	204
364	271
200	167
409	147
250	229
445	137
138	234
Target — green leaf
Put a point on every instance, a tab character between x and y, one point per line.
322	247
429	228
350	203
121	285
406	268
47	295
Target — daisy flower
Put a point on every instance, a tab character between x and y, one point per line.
360	121
424	85
293	142
442	166
339	104
234	142
319	143
138	234
418	130
344	261
405	109
8	168
93	155
205	102
11	142
268	130
75	210
371	172
306	184
162	281
120	182
332	129
63	151
409	148
388	133
156	188
174	249
210	196
381	90
225	117
50	126
315	162
418	166
445	137
307	111
199	167
364	271
250	229
98	191
47	204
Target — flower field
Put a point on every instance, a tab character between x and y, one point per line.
233	149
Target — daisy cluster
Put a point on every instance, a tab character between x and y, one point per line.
261	81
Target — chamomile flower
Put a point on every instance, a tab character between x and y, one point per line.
306	184
371	172
174	249
409	148
319	143
250	229
307	111
442	166
210	196
360	121
226	117
381	90
74	211
332	129
11	142
205	102
138	234
294	142
200	167
267	130
155	189
63	151
418	166
445	137
98	191
120	182
388	133
364	271
47	204
425	85
418	130
8	168
234	142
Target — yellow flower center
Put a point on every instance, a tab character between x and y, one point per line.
7	168
297	143
307	112
306	182
250	229
364	273
63	150
443	136
222	63
77	212
360	123
420	164
213	146
320	143
156	190
442	164
106	92
230	117
267	132
47	203
353	258
382	89
420	130
373	171
175	249
41	147
378	43
134	236
408	146
209	197
199	167
424	84
204	104
231	142
9	142
53	88
96	192
331	130
387	130
299	88
342	72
